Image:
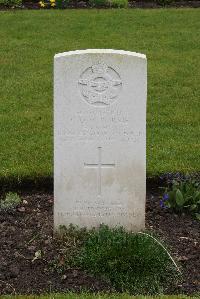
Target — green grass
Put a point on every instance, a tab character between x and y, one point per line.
28	41
99	296
134	263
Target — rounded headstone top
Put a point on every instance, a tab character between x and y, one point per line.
100	51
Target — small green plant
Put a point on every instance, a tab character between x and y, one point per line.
131	262
118	3
163	2
99	3
69	241
183	196
11	201
11	3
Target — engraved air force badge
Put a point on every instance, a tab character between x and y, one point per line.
100	85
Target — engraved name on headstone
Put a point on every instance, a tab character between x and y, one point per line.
100	138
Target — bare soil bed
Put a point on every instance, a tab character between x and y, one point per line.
30	229
73	4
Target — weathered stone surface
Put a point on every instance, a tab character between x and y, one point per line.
99	138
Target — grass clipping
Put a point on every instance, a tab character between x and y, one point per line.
134	263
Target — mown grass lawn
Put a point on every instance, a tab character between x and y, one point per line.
28	41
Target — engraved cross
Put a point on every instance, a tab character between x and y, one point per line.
99	166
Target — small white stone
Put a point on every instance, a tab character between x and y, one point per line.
100	138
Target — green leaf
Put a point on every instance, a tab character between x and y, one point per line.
168	204
197	195
179	198
197	215
171	195
193	207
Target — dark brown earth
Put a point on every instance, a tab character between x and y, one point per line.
30	229
73	4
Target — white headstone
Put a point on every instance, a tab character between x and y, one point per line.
100	138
